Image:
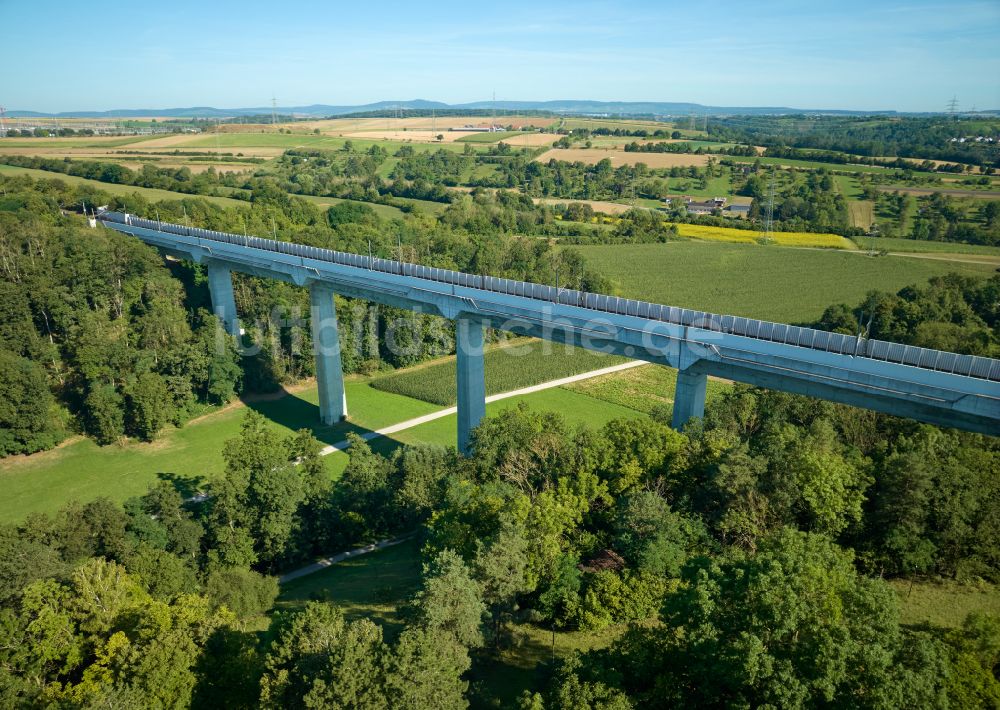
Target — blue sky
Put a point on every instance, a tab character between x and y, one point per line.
876	54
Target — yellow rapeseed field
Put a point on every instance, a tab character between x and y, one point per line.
785	239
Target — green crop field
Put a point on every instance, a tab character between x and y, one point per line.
81	470
775	283
522	364
149	193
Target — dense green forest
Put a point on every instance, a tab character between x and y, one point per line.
747	553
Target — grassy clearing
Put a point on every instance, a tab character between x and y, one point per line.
82	470
522	364
149	193
640	388
774	283
746	236
944	603
373	585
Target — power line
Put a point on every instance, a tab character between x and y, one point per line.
769	215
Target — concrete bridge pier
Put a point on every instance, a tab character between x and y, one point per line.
471	375
220	285
689	398
326	346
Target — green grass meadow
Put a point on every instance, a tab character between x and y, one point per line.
944	603
640	388
787	285
81	470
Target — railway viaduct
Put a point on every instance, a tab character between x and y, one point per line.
933	386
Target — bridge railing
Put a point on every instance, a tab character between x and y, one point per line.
924	358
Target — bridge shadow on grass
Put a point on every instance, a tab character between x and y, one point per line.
291	411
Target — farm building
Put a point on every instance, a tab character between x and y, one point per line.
706	207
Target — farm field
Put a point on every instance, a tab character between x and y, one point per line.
521	363
149	193
773	283
342	126
746	236
630	124
861	212
592	156
597	205
428	136
495	137
531	140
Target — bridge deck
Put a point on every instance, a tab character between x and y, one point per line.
924	358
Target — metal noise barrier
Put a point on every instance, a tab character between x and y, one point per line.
925	358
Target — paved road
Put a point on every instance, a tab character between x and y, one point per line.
417	421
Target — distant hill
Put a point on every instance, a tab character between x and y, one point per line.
572	107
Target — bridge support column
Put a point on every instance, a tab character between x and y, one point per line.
471	374
326	346
689	398
220	285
